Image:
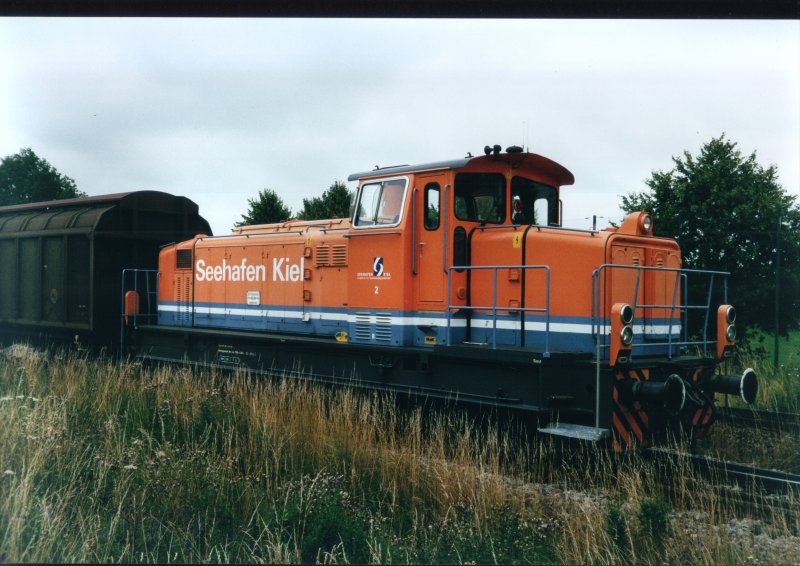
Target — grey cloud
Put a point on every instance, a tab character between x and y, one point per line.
217	109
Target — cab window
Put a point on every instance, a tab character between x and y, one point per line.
533	203
431	206
380	203
480	197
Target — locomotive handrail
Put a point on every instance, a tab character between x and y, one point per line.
539	227
494	308
414	231
564	229
248	236
357	234
150	294
599	318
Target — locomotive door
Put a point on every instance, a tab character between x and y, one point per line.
431	272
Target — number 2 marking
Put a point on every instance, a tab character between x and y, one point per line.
376	289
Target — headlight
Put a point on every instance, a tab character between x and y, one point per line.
730	333
626	314
730	315
626	336
647	223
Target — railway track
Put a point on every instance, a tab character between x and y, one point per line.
770	420
744	476
751	490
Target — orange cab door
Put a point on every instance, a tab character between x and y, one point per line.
431	273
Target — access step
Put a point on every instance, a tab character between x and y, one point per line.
579	432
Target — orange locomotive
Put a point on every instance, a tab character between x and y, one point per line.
456	279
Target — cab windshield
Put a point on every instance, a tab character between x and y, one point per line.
381	203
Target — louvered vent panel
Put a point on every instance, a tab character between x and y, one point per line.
363	326
182	292
179	295
187	308
339	258
383	328
323	255
184	259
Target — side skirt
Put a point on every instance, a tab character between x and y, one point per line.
512	378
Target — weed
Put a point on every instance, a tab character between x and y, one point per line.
654	522
617	529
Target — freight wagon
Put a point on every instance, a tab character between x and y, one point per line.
61	261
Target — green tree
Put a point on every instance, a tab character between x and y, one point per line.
25	177
723	210
334	203
266	208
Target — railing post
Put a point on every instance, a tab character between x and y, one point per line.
449	307
671	313
547	314
685	311
597	375
708	309
494	311
122	316
594	306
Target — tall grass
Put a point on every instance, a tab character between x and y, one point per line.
118	463
779	387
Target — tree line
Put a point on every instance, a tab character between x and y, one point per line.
727	212
268	207
25	177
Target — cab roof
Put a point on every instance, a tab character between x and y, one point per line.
531	160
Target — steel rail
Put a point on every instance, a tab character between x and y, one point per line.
742	475
770	420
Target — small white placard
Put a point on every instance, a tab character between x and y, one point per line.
254	298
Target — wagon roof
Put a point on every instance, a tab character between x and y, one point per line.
84	215
84	202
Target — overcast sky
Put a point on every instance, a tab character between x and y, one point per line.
218	109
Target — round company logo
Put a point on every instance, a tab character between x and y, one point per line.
377	267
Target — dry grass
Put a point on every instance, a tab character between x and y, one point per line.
118	463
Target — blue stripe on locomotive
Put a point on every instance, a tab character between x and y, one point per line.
400	328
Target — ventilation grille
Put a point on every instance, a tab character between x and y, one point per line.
373	328
323	255
339	255
183	290
184	259
383	328
331	256
363	326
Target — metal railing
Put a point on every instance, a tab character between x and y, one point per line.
145	283
494	308
600	319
